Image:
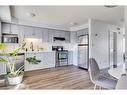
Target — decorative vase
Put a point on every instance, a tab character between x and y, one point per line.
15	80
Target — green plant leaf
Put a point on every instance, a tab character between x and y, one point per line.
5	60
33	60
3	46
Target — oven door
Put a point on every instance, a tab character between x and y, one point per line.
61	58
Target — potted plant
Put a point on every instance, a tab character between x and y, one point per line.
14	76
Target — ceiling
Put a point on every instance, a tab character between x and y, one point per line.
67	16
5	14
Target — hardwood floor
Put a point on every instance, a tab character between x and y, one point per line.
70	77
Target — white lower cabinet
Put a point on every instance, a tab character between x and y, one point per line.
70	57
47	60
2	68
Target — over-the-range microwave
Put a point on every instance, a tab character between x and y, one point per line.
10	38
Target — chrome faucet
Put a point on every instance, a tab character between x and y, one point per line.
31	46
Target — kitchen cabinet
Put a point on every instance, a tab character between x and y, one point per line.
81	33
67	36
19	63
51	34
29	32
37	33
73	36
28	66
45	35
6	28
14	29
21	33
59	33
70	57
2	68
10	28
47	60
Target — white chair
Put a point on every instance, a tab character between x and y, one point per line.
98	79
122	83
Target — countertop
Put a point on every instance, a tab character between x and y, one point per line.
43	51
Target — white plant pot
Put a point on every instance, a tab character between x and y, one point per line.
15	80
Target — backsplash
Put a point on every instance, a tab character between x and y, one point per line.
38	44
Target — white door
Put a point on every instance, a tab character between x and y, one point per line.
112	48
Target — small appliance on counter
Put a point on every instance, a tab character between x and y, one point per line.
61	56
9	38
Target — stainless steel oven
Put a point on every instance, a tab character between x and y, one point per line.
61	56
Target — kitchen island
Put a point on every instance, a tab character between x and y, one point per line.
47	59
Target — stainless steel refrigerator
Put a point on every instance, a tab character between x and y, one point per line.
83	51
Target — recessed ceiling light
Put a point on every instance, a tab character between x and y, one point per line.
110	6
31	14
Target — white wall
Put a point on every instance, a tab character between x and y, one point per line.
99	43
125	16
99	46
0	32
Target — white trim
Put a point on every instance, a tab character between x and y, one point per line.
76	28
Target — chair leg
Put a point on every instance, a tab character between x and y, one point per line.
95	87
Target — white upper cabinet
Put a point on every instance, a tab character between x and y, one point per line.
37	33
10	28
59	33
67	36
73	37
6	28
45	35
29	32
51	34
14	29
81	33
21	33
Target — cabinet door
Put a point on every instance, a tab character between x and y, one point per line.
48	60
51	34
60	33
6	28
45	35
21	33
38	33
29	32
67	36
14	29
29	67
73	37
2	68
81	33
70	57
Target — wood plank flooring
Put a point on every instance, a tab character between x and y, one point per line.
67	78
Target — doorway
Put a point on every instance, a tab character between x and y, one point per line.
116	48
